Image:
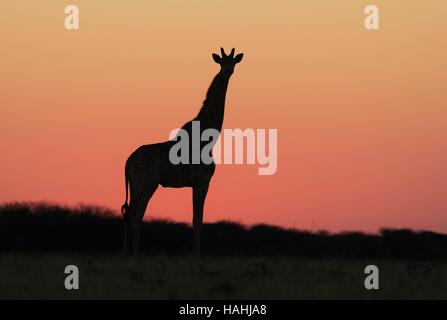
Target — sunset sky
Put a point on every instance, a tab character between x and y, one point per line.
361	115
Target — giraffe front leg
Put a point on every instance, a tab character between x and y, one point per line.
199	195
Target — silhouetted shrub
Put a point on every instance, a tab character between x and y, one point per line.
38	227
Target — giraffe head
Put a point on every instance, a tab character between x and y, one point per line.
227	63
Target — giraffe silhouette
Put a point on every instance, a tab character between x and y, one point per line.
149	166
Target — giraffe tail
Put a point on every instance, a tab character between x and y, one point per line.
125	206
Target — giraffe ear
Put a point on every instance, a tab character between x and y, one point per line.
216	58
238	58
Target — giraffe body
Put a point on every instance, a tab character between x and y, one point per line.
149	166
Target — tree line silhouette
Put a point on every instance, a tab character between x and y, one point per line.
44	227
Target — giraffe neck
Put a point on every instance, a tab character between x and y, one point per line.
211	114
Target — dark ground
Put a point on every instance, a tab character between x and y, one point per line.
41	276
37	241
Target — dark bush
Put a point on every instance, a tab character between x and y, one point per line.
38	227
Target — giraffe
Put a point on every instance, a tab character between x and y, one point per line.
149	165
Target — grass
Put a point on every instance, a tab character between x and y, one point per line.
38	240
41	276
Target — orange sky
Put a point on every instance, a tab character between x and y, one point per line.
361	115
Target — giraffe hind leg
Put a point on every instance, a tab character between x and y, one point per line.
127	234
137	208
